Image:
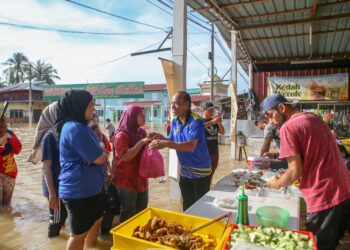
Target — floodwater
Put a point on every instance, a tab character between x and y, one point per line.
26	226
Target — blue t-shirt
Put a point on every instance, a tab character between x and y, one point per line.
194	164
50	152
79	177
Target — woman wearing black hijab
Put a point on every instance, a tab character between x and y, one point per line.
82	168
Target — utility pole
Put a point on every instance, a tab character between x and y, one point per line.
30	116
212	64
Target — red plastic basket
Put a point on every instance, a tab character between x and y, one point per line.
226	245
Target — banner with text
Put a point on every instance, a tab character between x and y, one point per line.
322	87
98	90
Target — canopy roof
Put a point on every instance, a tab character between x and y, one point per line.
276	33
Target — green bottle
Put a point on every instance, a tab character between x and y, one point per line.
242	212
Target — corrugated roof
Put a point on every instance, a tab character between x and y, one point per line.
36	86
278	31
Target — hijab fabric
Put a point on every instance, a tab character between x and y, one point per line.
72	106
46	123
128	124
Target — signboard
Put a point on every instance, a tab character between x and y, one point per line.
322	87
110	90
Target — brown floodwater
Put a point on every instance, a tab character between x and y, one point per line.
26	226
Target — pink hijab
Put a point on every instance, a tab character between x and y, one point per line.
128	124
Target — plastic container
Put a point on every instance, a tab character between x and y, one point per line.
226	243
271	216
256	161
123	239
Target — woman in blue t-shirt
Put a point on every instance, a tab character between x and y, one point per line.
82	169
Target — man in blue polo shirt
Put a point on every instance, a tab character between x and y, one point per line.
187	137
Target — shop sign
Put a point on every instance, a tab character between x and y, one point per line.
322	87
110	90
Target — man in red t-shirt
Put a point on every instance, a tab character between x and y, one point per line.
313	156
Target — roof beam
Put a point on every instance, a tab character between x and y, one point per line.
319	6
295	35
295	59
313	8
292	22
233	5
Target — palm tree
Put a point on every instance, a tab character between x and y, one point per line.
42	71
16	66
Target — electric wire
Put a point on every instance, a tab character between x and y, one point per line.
31	27
113	60
198	60
114	15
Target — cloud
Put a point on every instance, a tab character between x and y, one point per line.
80	58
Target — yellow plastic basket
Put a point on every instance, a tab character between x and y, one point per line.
123	239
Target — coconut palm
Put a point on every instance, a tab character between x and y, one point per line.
42	71
16	68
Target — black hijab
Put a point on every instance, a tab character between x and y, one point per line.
71	107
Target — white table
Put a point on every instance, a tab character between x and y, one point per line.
204	207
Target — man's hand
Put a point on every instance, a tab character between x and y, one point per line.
53	202
155	136
271	155
157	144
273	184
217	120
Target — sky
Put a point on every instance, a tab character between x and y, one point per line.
86	58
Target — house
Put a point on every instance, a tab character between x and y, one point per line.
18	98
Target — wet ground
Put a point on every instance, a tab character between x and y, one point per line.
26	226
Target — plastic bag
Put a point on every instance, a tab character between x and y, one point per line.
151	164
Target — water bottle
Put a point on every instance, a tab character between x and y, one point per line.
242	212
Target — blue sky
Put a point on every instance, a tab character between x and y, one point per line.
89	58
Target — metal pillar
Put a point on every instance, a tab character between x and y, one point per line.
104	111
151	117
212	64
180	43
250	75
179	51
234	107
30	114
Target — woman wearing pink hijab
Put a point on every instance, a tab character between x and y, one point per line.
129	142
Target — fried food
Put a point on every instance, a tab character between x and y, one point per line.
172	234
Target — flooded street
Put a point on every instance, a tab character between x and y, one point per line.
26	227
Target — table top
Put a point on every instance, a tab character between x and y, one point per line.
204	207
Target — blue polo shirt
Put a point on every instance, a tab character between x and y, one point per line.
79	177
194	164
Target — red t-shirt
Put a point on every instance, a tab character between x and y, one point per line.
126	174
8	164
325	181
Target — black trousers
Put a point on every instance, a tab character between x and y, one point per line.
193	189
329	225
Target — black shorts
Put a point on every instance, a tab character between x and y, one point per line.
83	213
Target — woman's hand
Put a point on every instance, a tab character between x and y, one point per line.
53	202
5	138
158	144
145	141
